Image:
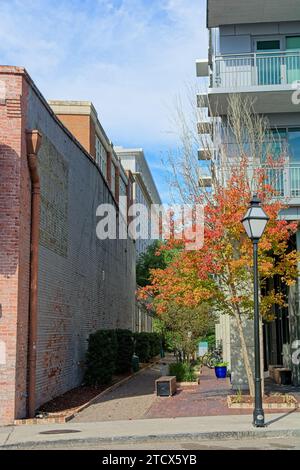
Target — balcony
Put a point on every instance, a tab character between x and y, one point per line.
269	78
229	12
286	182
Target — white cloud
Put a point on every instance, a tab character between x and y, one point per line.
130	57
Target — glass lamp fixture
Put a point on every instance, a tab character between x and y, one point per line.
255	220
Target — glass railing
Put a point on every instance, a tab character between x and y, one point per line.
256	69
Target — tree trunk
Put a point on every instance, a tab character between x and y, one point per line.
245	354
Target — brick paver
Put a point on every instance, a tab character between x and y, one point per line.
136	399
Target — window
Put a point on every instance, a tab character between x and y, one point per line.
268	65
293	42
123	198
113	178
268	45
101	156
293	59
294	144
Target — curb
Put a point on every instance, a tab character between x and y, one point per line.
217	435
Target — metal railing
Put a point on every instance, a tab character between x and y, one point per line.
256	69
285	181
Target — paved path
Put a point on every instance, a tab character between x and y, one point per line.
130	401
136	399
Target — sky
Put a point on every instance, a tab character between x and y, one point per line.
131	58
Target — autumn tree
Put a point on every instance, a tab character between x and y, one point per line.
220	273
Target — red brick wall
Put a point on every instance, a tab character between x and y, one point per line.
14	244
80	126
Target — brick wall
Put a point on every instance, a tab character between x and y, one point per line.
80	127
14	245
84	283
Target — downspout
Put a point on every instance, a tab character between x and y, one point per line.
33	142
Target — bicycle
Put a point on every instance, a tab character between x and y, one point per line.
210	359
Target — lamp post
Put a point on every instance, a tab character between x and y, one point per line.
254	222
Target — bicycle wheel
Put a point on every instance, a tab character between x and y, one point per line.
211	362
204	359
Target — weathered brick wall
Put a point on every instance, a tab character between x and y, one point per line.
84	283
14	245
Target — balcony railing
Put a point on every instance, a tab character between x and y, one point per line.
256	69
285	181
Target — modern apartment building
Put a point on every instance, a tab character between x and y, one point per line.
254	51
145	193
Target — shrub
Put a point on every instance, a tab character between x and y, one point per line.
147	345
101	357
125	350
154	341
184	372
142	346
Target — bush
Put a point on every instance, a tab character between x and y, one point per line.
184	372
142	346
147	345
154	341
125	350
101	357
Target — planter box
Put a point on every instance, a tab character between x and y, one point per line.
165	386
188	384
293	404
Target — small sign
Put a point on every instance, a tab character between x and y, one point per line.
202	348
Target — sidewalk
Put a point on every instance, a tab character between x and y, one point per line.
154	430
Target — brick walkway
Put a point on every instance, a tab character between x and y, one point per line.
136	400
206	399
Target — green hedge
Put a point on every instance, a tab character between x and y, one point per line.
125	350
142	346
101	357
155	344
147	345
110	351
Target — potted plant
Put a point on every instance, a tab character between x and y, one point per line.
221	370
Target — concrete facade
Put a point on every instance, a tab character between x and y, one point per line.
250	55
83	283
145	193
144	188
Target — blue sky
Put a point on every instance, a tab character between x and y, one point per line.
129	57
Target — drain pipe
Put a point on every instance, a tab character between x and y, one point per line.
33	142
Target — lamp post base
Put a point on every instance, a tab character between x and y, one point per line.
259	418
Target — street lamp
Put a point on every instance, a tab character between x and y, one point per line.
254	223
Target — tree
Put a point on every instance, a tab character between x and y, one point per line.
220	274
184	326
151	259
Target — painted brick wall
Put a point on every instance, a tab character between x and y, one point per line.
14	245
84	283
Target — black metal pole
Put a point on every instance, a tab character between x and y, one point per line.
258	414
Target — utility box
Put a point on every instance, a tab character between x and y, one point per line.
135	363
165	386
